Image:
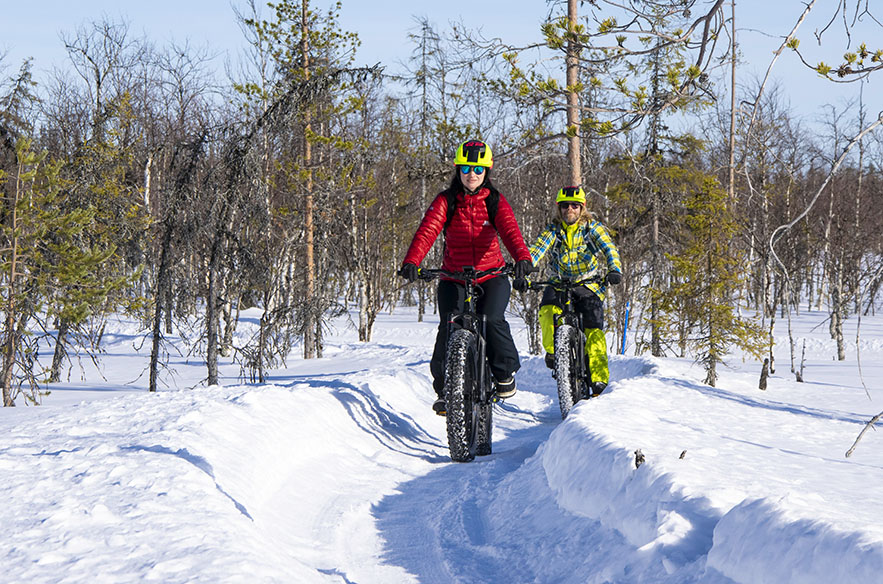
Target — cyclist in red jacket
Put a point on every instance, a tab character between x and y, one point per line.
479	214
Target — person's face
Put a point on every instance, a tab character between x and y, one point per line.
473	178
570	211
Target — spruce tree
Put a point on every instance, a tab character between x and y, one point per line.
707	272
47	269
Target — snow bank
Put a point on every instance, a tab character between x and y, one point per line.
235	484
763	542
594	478
125	490
695	496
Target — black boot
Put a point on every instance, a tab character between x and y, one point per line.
505	388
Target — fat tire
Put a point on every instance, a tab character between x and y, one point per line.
461	382
566	368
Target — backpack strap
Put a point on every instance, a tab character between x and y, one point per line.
451	196
559	239
492	202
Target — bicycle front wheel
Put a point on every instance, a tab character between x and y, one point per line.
567	374
461	381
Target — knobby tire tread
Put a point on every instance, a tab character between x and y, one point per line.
566	364
485	425
460	380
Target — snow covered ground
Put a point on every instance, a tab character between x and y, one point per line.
337	471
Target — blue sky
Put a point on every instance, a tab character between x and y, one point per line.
382	25
32	29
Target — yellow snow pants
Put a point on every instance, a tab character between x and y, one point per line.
596	343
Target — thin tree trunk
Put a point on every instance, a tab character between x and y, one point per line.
11	308
837	309
731	186
799	374
9	355
147	177
790	329
826	249
573	115
311	324
211	315
216	287
655	274
772	341
764	374
11	333
229	326
424	107
162	277
169	302
262	344
855	275
60	351
711	363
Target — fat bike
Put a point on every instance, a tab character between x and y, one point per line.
571	370
469	387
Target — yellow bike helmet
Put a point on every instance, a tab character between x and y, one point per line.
570	195
474	153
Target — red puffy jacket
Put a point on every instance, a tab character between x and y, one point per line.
470	239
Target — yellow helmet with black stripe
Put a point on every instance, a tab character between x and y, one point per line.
571	195
474	153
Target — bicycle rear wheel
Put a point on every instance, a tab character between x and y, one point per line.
461	380
567	374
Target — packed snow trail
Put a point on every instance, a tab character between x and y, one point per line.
338	474
338	471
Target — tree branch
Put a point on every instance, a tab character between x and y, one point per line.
862	433
782	229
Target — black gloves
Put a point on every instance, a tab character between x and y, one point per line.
408	272
614	278
522	269
519	274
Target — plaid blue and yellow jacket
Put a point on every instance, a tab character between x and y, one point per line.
573	251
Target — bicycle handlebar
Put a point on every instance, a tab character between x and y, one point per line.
427	274
596	279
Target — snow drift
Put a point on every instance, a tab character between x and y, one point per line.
337	471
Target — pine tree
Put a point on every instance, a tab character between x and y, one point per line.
312	59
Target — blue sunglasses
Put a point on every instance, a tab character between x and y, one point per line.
464	168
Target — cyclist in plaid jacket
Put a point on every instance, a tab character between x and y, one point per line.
573	241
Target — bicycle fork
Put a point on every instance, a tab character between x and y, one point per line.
484	396
476	324
570	317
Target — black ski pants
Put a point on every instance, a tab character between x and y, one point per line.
502	355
